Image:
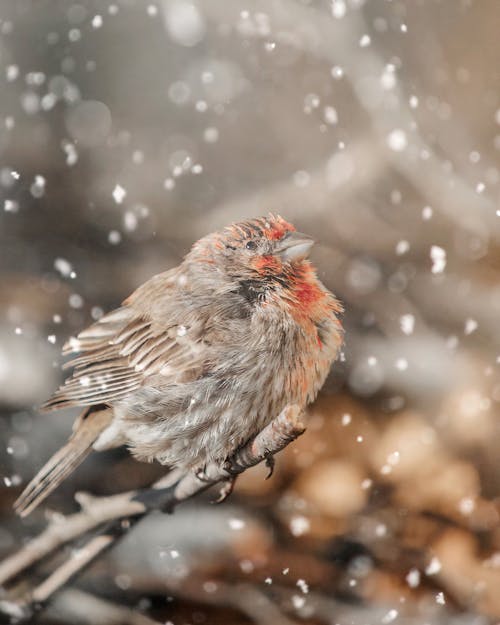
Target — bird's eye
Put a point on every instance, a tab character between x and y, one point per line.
251	245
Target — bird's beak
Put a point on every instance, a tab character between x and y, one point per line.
294	246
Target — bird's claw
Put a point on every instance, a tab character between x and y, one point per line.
270	462
202	475
226	489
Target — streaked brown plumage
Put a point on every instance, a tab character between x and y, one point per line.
200	358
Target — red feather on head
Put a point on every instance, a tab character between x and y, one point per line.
275	227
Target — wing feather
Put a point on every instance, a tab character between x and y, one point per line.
117	354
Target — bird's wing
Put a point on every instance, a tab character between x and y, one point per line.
118	353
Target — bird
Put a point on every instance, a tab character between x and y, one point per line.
200	358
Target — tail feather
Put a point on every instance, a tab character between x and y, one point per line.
63	462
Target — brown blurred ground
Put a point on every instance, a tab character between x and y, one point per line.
127	131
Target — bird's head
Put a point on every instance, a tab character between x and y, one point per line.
265	260
263	248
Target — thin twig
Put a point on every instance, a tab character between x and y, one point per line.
79	559
74	605
246	598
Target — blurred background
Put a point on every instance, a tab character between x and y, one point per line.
129	129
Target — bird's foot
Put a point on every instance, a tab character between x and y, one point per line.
226	489
201	474
270	462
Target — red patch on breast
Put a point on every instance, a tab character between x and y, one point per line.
307	293
309	302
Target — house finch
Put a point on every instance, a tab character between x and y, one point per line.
200	358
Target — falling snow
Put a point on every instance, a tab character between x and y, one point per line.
337	72
236	524
119	194
438	257
339	9
471	326
298	601
388	78
407	323
346	419
365	41
304	587
71	153
63	266
299	525
413	578
433	567
402	247
114	237
397	140
331	116
10	206
211	134
427	213
390	616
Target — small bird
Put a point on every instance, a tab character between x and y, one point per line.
200	358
